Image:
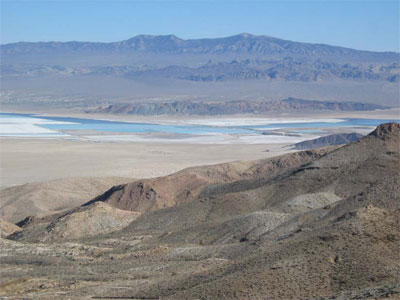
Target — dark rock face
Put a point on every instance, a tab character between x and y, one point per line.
386	130
330	140
233	107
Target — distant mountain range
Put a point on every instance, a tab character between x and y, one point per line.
233	107
238	58
286	69
242	44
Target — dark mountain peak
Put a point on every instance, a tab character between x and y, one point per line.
153	43
387	130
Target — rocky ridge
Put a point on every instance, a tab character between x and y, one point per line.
233	107
329	140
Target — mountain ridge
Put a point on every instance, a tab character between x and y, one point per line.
166	66
232	107
329	140
240	43
177	40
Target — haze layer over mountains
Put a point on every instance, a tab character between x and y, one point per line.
168	68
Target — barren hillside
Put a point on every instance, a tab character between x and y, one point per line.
44	198
321	224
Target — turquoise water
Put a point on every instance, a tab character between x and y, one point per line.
126	127
131	127
309	131
344	123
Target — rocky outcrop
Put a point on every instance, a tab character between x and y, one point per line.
329	140
386	131
7	228
81	223
50	197
189	184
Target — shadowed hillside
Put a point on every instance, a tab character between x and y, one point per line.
45	198
329	140
188	184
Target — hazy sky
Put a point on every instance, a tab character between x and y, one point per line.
362	24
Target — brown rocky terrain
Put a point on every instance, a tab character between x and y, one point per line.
188	184
79	223
7	228
320	224
49	197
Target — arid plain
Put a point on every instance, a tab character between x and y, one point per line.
25	160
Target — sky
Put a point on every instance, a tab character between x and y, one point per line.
360	24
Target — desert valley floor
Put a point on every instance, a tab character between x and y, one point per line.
121	219
32	153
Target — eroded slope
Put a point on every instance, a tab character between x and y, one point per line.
310	225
